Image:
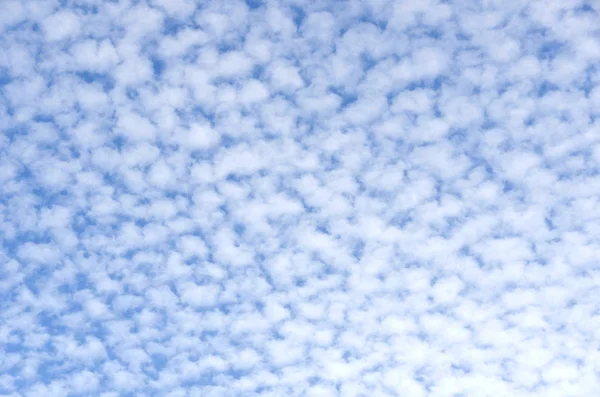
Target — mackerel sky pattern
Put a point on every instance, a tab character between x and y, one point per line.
299	198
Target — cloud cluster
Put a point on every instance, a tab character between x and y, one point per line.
295	198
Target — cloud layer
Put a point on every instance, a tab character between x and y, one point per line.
294	198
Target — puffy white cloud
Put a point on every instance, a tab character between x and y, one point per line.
253	91
61	25
95	56
199	136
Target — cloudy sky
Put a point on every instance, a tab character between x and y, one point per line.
299	198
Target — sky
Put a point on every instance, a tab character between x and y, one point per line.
299	198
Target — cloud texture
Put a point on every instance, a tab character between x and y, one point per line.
296	198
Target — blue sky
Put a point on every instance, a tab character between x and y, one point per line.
297	198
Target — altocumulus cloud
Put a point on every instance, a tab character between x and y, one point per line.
296	198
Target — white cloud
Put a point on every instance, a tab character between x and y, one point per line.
199	295
95	56
135	127
285	77
332	199
234	63
61	25
45	254
198	137
253	91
